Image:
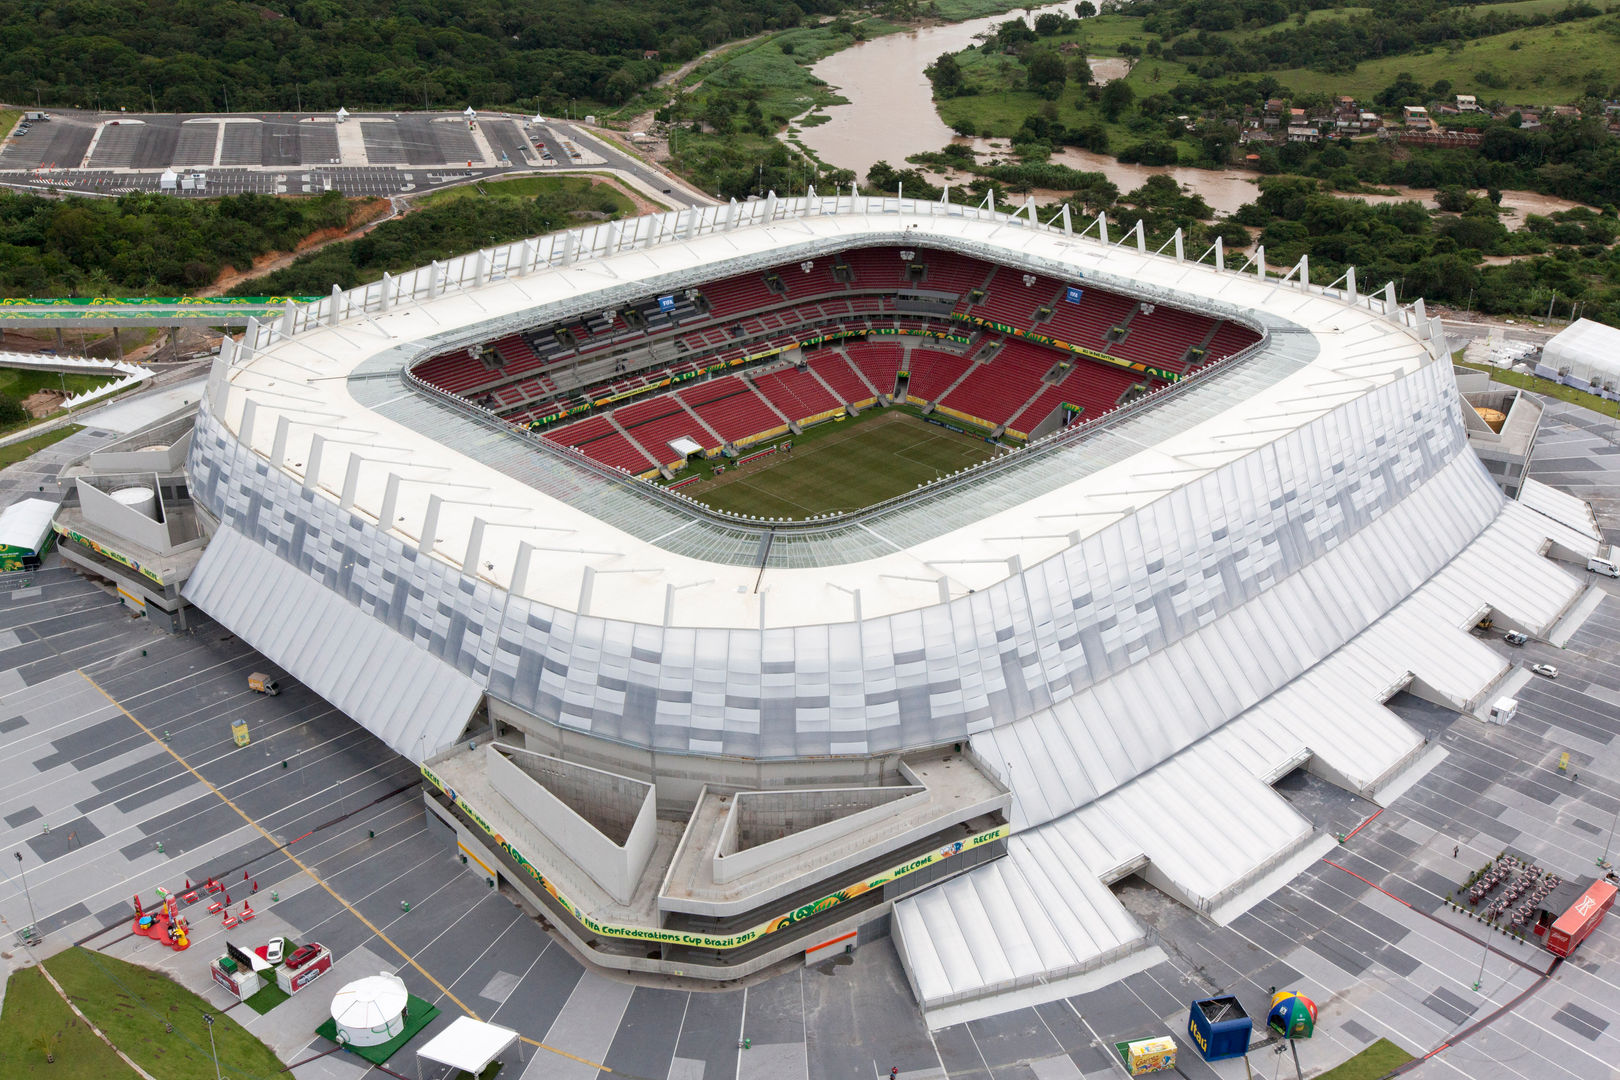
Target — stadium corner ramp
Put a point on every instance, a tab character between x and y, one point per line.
401	693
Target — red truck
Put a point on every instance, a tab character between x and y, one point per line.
1583	917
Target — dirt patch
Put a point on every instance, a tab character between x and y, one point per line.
362	220
42	403
643	204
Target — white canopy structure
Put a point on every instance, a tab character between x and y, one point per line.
1588	351
468	1044
25	525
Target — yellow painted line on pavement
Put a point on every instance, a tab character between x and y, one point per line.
316	878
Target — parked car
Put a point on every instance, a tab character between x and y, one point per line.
274	950
1545	670
1514	637
302	955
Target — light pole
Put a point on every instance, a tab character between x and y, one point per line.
33	920
208	1018
1482	958
1604	862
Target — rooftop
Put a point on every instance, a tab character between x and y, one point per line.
328	405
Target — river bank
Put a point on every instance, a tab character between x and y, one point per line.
890	114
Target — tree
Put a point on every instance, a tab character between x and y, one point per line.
946	75
11	412
1085	9
1116	98
1047	73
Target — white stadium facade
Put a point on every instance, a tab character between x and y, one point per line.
701	743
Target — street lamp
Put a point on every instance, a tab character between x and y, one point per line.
208	1018
1603	862
33	920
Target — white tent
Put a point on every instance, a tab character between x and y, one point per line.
1588	351
469	114
26	525
468	1044
342	114
169	181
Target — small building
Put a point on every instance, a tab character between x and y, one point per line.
1302	133
1416	116
1467	103
169	181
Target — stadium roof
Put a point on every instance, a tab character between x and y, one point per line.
327	404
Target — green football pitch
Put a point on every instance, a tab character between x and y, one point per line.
842	466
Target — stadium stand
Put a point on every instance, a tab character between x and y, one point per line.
653	423
730	406
796	393
527	375
596	438
840	373
995	391
933	372
1088	322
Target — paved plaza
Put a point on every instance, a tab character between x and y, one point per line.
118	741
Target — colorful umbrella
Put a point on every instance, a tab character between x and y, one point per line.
1293	1015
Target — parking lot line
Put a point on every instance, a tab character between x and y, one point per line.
384	938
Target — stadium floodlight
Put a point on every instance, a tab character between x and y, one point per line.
1030	280
808	265
907	256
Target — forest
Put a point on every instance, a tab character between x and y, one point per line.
305	55
148	243
443	228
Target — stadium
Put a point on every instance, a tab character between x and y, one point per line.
751	580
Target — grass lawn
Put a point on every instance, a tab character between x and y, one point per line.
841	466
8	120
529	187
20	382
36	1020
17	451
1551	389
131	1004
1551	65
1371	1063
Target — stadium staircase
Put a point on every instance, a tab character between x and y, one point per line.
719	439
631	439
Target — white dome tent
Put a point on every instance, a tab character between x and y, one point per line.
370	1011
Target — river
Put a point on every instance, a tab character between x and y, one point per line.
891	115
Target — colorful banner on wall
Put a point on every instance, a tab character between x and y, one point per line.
714	941
1080	350
105	552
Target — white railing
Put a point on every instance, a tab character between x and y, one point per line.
516	260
